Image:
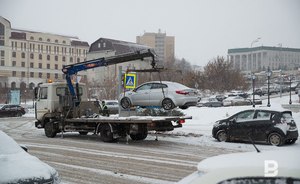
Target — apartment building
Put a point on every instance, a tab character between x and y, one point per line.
30	57
104	79
258	59
164	45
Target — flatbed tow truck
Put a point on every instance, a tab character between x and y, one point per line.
61	107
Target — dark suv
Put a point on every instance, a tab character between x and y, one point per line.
259	125
11	110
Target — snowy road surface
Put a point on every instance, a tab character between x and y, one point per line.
85	159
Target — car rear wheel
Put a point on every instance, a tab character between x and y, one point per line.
168	104
18	114
125	103
275	139
222	136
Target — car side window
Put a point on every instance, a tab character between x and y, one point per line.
263	115
158	86
144	87
244	116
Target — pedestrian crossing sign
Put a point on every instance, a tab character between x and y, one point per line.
130	80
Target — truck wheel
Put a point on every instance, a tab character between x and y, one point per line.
83	133
139	136
168	104
106	134
125	103
50	129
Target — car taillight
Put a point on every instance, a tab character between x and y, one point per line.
182	92
181	121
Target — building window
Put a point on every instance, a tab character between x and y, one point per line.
31	56
14	54
48	75
48	66
63	58
56	66
56	76
78	60
40	75
14	73
56	58
22	74
31	38
31	65
40	39
14	63
56	41
2	62
40	56
40	65
23	55
48	40
64	42
2	53
48	57
31	74
71	60
23	64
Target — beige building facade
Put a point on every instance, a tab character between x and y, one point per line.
164	45
30	57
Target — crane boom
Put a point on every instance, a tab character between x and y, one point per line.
73	69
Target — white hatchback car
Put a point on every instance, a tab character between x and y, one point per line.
276	166
164	94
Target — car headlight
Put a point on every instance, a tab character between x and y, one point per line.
217	123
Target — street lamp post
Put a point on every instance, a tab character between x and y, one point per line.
253	86
269	73
290	79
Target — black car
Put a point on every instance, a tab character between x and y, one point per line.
260	125
18	166
11	110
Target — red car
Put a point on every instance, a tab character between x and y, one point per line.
9	110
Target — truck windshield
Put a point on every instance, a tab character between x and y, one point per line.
64	91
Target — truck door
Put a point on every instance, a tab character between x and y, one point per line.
42	102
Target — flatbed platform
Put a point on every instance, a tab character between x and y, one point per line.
131	119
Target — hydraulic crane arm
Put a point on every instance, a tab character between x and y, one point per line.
70	70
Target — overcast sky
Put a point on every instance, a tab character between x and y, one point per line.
203	29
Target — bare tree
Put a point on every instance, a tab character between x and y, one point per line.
220	76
